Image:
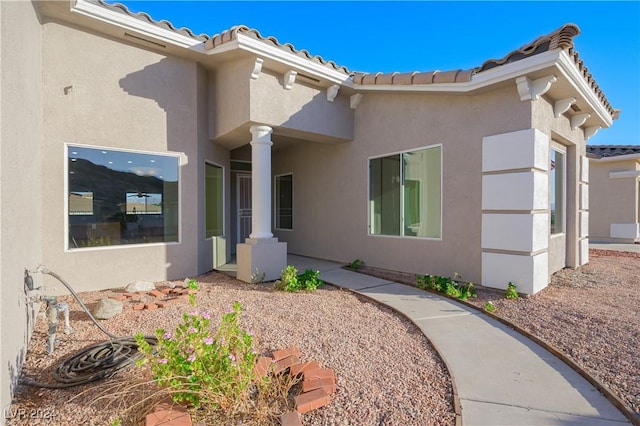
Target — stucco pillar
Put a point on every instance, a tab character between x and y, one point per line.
261	182
261	257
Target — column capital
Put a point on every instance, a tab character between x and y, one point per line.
261	134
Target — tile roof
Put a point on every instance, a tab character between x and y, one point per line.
613	150
562	38
145	17
232	33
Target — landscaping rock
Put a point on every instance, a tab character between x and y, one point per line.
138	286
107	308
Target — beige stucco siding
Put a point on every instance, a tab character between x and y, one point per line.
331	182
21	202
303	108
229	91
560	131
122	96
611	201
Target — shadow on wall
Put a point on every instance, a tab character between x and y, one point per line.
179	88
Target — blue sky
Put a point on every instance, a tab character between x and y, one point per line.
423	36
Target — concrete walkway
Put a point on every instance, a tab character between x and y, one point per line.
634	248
502	378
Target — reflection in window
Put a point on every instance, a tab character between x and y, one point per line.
81	203
284	202
144	203
405	194
121	197
556	191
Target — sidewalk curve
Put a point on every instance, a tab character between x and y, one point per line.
501	377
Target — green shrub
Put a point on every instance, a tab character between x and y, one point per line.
291	281
489	306
200	368
310	280
356	264
511	292
447	285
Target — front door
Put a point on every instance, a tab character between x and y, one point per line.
244	206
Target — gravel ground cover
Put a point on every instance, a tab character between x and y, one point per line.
590	314
387	371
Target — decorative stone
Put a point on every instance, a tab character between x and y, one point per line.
140	286
107	308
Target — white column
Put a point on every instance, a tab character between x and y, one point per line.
261	256
261	182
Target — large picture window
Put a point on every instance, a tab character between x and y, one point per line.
405	193
556	191
214	193
118	197
284	202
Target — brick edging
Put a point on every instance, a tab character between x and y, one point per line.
457	408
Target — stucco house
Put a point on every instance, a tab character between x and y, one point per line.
615	193
135	150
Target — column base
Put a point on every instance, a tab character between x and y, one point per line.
259	256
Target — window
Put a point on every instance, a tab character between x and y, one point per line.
556	191
405	194
284	202
214	191
118	197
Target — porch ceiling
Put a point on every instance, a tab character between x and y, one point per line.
281	137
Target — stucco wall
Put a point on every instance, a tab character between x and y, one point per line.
122	96
560	131
331	181
611	200
21	203
302	108
230	97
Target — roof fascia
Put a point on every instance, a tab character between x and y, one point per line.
94	11
568	67
478	81
613	158
263	50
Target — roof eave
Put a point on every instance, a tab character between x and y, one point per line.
613	158
285	59
478	81
557	59
161	35
567	66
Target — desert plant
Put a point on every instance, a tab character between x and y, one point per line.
257	277
447	285
356	264
291	281
310	280
489	306
201	368
511	292
288	279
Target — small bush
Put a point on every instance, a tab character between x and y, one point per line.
511	292
489	306
291	281
447	285
200	368
356	264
